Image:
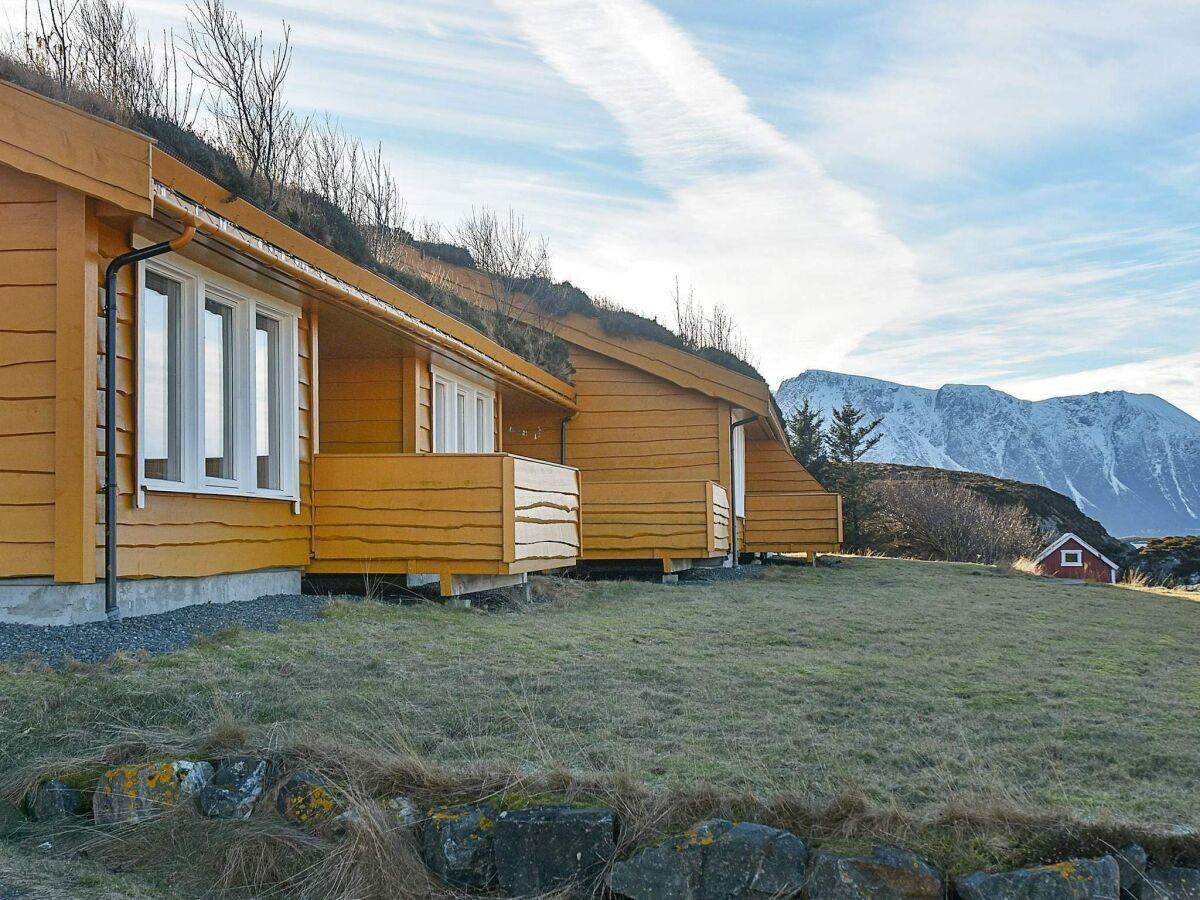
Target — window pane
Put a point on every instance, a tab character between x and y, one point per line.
441	421
161	389
218	390
267	405
481	424
461	422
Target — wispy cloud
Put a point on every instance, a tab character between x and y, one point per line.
963	82
749	215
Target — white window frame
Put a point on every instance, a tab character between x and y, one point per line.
739	471
1067	563
198	282
445	421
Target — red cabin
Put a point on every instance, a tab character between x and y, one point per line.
1072	557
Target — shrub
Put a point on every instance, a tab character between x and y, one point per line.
940	520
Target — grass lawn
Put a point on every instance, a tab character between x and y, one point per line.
912	683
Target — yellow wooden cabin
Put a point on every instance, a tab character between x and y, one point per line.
669	445
278	409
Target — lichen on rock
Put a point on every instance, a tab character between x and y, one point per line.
458	844
308	799
130	794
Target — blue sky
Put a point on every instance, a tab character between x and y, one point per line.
983	191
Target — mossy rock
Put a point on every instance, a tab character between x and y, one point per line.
308	799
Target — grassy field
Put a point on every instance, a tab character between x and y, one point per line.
911	684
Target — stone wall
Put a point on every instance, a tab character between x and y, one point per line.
525	851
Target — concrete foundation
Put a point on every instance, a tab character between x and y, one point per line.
41	601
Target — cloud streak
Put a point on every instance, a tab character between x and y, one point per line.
749	216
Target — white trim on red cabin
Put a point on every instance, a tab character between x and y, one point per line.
1085	545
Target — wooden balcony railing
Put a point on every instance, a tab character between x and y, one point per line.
796	522
655	520
443	513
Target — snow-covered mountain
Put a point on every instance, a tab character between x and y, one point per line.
1130	460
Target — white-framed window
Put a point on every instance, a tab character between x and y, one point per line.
1071	557
217	385
463	415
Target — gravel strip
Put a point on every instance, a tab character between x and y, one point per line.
714	574
160	633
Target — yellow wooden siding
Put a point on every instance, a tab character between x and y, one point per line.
669	520
631	426
636	437
442	513
770	468
194	534
69	147
792	522
361	405
76	306
28	275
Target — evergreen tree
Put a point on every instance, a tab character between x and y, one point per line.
847	441
806	440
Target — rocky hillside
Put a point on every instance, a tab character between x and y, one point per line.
1054	512
1130	460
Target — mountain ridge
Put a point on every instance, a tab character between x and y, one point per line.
1132	461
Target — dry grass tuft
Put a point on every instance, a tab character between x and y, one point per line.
1023	565
557	590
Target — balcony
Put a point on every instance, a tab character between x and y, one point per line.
792	522
655	520
449	514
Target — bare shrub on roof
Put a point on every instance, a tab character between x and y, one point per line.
49	42
94	46
701	329
382	213
520	277
941	520
429	231
246	80
130	74
333	165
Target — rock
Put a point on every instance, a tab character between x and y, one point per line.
1131	866
1170	883
888	873
547	848
193	775
307	799
1078	879
239	782
403	811
54	799
457	844
130	794
716	860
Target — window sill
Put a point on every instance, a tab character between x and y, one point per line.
210	490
